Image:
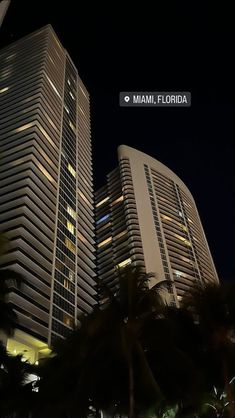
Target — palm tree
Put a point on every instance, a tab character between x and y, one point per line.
212	307
17	397
103	362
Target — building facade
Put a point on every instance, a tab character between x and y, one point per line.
46	193
147	217
4	4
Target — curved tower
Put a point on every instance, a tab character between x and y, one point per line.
146	216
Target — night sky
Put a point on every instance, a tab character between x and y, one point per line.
166	48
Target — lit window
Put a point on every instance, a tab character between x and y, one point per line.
102	219
70	227
119	199
179	298
82	238
106	241
53	86
121	234
71	212
72	126
181	214
69	82
190	220
81	110
102	201
4	89
66	108
84	197
22	128
71	276
71	94
66	284
68	320
70	245
124	263
71	170
10	56
83	92
45	172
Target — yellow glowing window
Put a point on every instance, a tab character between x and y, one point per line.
70	245
23	127
121	234
84	197
119	199
167	218
82	238
70	227
71	170
124	263
72	126
71	212
68	321
106	241
83	92
66	108
102	201
81	110
71	94
4	89
53	86
45	172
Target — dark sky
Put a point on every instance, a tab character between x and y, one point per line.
144	48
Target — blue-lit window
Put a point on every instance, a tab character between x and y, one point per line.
102	219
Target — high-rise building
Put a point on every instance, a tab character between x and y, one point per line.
147	217
4	4
46	192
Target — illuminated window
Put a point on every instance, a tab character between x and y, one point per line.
70	245
81	110
45	172
10	56
102	201
4	89
72	126
66	108
70	227
84	197
124	263
181	214
82	238
121	234
66	284
71	94
68	320
71	276
23	127
71	212
83	92
71	170
69	82
119	199
106	241
102	219
190	220
53	86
